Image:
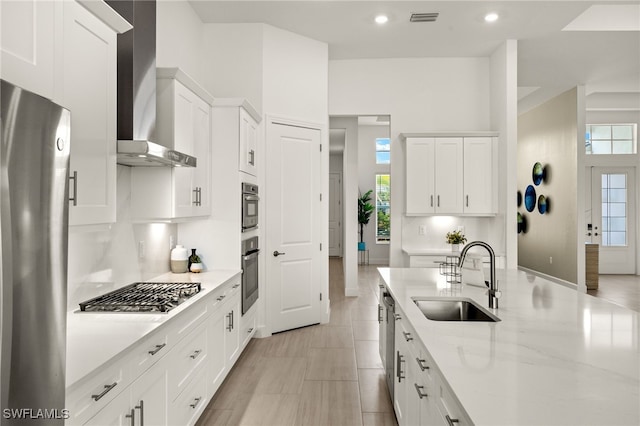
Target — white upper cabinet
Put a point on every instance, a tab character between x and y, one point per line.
183	124
30	37
89	92
248	143
479	175
434	175
450	175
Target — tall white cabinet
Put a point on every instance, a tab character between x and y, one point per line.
66	51
183	124
452	175
30	44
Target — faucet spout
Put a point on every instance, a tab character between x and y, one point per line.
494	294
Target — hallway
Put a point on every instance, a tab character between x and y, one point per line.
327	374
623	290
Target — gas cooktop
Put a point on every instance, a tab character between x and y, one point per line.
142	297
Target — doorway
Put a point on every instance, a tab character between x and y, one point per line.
335	214
613	218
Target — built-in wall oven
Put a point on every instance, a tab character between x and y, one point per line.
249	260
250	201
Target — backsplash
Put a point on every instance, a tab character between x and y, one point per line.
106	257
436	228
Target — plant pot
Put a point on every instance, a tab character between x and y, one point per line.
196	267
455	248
362	246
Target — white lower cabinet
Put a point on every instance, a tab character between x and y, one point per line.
144	402
421	395
170	376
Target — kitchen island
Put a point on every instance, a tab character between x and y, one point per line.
556	357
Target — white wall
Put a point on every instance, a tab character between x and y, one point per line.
504	119
233	63
367	170
105	257
420	94
350	210
179	40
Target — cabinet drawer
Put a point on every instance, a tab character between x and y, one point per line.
186	409
91	395
448	406
148	352
186	323
248	326
186	358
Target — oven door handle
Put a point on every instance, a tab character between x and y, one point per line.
251	198
251	256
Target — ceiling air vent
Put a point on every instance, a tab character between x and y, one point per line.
424	17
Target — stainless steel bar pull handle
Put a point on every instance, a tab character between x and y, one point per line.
74	178
277	253
421	364
431	200
230	321
379	314
131	416
407	336
141	408
236	286
195	403
195	354
252	157
438	201
107	388
157	349
399	361
451	421
467	199
419	390
397	316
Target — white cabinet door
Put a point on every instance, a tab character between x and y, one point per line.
232	329
248	143
478	175
90	94
216	333
118	412
149	396
448	175
29	44
181	192
420	182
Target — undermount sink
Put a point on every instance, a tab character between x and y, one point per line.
453	309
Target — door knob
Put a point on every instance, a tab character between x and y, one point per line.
277	253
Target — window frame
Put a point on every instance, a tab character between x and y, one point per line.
385	239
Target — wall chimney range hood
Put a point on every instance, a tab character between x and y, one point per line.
137	90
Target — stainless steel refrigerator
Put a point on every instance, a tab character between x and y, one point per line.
34	190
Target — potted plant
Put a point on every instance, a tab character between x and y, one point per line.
195	264
365	209
455	238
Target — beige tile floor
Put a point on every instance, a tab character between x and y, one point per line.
623	290
327	374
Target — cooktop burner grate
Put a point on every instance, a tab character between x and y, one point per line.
142	297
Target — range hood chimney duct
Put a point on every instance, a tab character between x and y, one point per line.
137	90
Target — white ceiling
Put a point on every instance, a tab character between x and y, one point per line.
592	51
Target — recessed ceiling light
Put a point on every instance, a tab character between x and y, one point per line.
491	17
382	19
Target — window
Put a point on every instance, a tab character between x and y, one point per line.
611	139
383	217
383	151
614	209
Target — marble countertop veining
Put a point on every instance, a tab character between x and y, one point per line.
97	339
557	357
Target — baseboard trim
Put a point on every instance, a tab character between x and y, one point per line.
556	280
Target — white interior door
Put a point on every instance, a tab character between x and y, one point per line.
293	212
613	218
335	214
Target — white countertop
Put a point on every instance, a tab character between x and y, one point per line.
96	339
557	357
422	251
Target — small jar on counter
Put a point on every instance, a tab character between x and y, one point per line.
179	260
